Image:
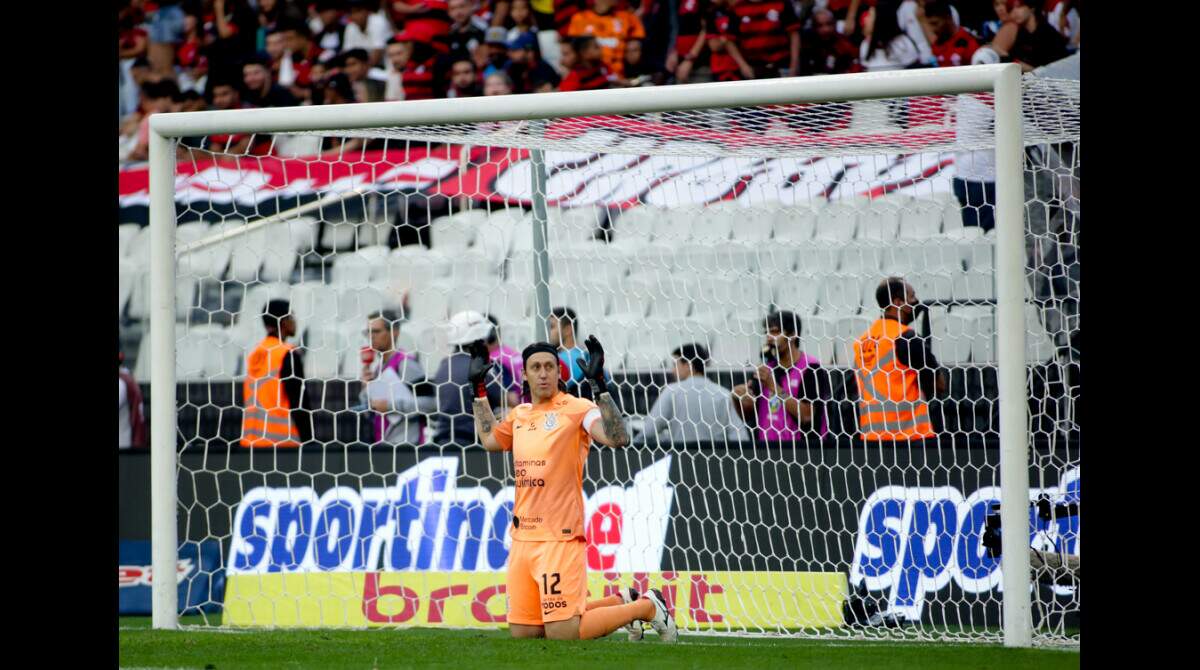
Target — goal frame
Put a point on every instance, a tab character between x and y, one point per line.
1003	81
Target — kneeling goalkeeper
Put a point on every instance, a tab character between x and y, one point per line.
549	438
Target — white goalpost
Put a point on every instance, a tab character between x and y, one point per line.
662	216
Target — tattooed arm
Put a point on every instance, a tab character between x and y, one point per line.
609	429
485	425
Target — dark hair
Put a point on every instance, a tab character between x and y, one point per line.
581	43
258	58
695	354
340	83
565	314
887	26
357	54
494	335
274	312
160	89
888	289
299	26
787	322
938	8
460	56
388	315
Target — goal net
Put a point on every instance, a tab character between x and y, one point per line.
672	236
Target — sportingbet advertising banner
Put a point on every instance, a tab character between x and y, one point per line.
199	573
905	525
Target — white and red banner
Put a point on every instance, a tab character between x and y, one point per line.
623	175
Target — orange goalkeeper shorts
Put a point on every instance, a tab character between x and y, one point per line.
547	581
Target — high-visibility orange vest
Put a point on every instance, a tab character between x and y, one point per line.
267	418
890	405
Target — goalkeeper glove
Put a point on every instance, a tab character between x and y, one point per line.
481	362
593	366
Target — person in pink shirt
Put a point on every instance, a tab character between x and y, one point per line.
510	364
788	392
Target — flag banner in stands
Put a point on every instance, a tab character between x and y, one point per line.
261	185
907	526
199	573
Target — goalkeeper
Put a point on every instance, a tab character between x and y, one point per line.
549	438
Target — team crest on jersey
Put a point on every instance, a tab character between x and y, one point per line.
551	421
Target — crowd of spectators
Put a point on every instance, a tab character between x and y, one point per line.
187	55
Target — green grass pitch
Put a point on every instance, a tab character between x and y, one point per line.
142	647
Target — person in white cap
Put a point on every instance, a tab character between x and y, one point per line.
453	423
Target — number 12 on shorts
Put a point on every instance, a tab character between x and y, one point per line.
548	588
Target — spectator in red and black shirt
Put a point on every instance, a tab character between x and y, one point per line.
431	17
564	11
589	73
826	51
954	45
688	28
769	36
721	32
416	63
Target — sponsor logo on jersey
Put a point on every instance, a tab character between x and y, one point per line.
914	541
425	521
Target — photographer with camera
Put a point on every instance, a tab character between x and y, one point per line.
896	370
787	393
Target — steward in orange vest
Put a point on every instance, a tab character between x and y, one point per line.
896	370
274	386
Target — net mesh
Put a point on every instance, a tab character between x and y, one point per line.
663	230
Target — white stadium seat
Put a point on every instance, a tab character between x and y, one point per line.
952	337
921	220
799	294
361	268
139	248
818	337
879	223
839	295
588	299
737	344
126	232
755	224
862	259
794	225
323	347
202	351
456	232
410	269
314	303
837	223
430	303
127	274
819	258
637	223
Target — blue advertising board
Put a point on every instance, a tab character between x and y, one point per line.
199	574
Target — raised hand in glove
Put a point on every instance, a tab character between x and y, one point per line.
593	366
481	362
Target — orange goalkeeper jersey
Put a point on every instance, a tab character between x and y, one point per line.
549	442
